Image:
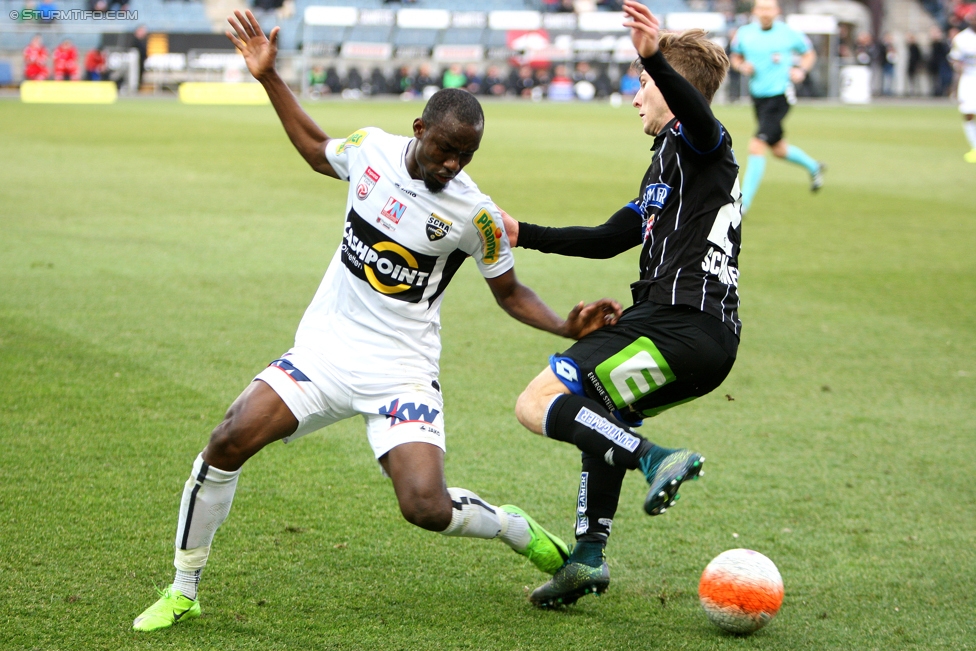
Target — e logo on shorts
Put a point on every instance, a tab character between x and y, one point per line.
634	372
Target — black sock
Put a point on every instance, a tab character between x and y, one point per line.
588	425
597	503
588	553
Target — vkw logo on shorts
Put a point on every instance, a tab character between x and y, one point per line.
408	412
437	227
367	183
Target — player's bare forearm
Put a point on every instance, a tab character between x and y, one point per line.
524	305
740	65
307	137
808	59
259	52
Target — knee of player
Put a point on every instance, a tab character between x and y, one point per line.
430	512
226	441
527	411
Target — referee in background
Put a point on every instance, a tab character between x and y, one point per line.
764	52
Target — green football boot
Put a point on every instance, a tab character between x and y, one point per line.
546	551
572	581
665	477
172	607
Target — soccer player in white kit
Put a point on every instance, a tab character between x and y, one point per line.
369	342
963	58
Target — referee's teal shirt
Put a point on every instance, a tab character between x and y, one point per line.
770	51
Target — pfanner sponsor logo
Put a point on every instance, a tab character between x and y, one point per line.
601	425
491	236
389	267
354	140
408	412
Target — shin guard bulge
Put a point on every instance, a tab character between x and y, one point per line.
207	498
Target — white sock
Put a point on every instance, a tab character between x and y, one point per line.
969	126
516	533
472	517
187	582
207	498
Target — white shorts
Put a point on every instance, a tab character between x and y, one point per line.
967	95
397	410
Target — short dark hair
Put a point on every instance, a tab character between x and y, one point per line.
453	102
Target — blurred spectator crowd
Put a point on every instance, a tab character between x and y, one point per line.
926	62
583	80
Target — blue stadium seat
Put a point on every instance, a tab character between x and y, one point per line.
327	34
416	37
464	36
497	38
290	34
6	74
19	40
369	34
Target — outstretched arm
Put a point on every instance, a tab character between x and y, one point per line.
698	123
259	53
523	304
618	234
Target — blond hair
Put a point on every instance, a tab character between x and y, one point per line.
697	59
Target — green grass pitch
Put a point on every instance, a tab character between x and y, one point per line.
154	257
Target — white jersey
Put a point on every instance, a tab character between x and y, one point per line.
378	305
964	51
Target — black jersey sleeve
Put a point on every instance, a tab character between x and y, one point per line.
621	232
699	127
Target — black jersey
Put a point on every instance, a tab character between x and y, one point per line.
686	216
690	227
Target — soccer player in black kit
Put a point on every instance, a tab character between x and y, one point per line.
679	339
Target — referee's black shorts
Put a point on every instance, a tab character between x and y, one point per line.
770	112
654	357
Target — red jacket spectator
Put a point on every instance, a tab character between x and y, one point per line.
65	61
94	65
35	60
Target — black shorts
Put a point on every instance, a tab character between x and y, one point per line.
653	358
770	112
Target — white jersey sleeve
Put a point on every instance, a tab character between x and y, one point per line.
341	152
487	242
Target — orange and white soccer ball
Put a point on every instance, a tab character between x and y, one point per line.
741	590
